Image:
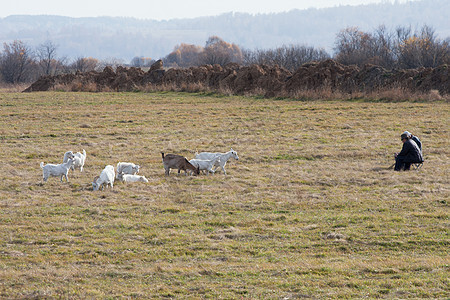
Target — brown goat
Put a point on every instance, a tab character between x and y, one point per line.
173	161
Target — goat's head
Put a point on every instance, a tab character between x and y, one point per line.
67	155
234	154
95	186
197	171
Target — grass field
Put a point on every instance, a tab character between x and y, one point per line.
309	209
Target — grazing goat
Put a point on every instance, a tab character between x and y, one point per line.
106	177
80	158
205	165
57	170
133	178
173	161
126	168
223	158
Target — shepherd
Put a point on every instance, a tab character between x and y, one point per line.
410	153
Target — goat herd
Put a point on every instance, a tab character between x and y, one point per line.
206	161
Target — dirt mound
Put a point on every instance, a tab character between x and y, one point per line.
269	81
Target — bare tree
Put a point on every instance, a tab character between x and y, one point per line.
46	53
354	47
62	65
15	61
383	48
290	57
184	55
421	48
217	51
404	48
84	64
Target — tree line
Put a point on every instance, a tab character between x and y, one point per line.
402	48
19	63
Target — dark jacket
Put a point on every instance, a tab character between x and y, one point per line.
410	152
418	142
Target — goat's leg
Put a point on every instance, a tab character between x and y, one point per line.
210	170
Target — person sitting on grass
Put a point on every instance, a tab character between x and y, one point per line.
410	154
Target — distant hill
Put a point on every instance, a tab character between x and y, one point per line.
125	38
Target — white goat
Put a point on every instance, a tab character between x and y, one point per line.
223	158
126	168
106	177
80	158
57	170
133	178
67	155
204	164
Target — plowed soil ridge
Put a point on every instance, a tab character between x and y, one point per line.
270	81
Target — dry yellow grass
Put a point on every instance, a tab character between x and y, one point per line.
309	210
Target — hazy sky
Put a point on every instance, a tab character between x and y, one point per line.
162	10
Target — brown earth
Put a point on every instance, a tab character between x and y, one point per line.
268	81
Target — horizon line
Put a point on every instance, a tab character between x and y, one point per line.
391	2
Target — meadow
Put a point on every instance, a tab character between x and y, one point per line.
310	209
